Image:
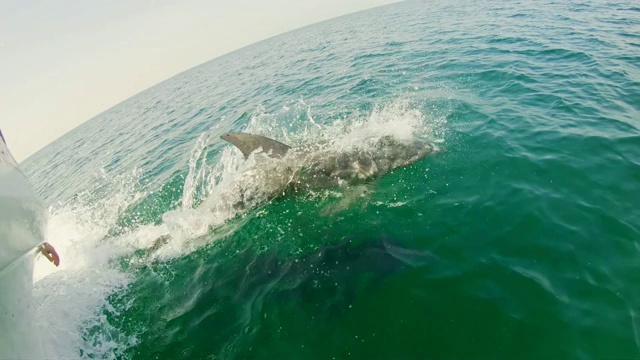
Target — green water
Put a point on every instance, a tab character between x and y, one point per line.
518	240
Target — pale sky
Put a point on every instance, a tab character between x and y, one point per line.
63	62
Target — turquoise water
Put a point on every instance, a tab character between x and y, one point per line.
518	240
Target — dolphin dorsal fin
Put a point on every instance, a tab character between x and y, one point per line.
248	143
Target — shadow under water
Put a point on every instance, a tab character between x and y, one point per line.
211	308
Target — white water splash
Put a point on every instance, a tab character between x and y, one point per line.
70	299
196	174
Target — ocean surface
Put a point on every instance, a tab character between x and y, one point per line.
519	239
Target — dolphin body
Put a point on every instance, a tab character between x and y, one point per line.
329	279
238	292
287	169
282	169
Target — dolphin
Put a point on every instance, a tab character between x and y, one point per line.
281	169
332	276
284	169
245	291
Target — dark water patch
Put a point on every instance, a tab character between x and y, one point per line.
325	281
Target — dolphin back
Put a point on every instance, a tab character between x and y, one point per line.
248	143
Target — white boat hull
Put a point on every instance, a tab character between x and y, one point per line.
22	225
